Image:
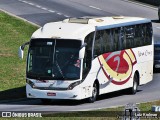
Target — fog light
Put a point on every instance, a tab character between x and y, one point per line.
29	94
74	96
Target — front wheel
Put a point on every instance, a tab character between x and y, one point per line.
94	94
134	88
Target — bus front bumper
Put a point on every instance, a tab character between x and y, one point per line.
75	94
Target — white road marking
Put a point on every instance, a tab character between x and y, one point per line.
37	6
158	27
24	2
43	8
51	11
67	16
31	4
95	7
59	13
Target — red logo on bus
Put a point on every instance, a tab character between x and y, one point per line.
118	66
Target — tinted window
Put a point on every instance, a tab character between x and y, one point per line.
107	41
129	33
98	49
121	38
148	39
88	54
143	35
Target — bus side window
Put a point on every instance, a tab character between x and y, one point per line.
129	30
140	35
143	33
137	37
88	54
97	44
107	41
115	39
122	38
148	40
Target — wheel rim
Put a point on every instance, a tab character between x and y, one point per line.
135	86
94	93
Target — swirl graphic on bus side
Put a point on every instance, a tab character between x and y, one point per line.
118	65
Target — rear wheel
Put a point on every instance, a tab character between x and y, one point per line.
134	88
94	93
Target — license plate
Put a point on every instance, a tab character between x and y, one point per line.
51	94
157	66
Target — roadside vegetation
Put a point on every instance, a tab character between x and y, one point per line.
104	114
101	114
13	33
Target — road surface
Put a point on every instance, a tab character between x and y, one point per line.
43	11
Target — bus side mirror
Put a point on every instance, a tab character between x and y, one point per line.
20	52
81	53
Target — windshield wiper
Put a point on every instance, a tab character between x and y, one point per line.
59	69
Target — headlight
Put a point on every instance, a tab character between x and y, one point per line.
30	83
71	86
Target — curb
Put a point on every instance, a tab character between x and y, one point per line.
25	20
141	4
150	2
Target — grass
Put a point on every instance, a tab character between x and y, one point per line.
13	33
102	114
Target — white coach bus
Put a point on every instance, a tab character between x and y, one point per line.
80	58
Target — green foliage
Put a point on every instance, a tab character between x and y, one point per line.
13	33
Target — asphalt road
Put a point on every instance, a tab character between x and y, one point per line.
43	11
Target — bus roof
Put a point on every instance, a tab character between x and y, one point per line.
79	28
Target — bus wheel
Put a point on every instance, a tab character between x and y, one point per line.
94	94
134	88
46	101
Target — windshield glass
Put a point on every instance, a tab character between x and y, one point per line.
54	59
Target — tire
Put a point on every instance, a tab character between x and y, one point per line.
93	98
46	101
134	88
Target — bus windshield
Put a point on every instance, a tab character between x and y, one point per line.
50	59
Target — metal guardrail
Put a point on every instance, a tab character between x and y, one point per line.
155	108
130	112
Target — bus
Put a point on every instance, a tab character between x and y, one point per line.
82	58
